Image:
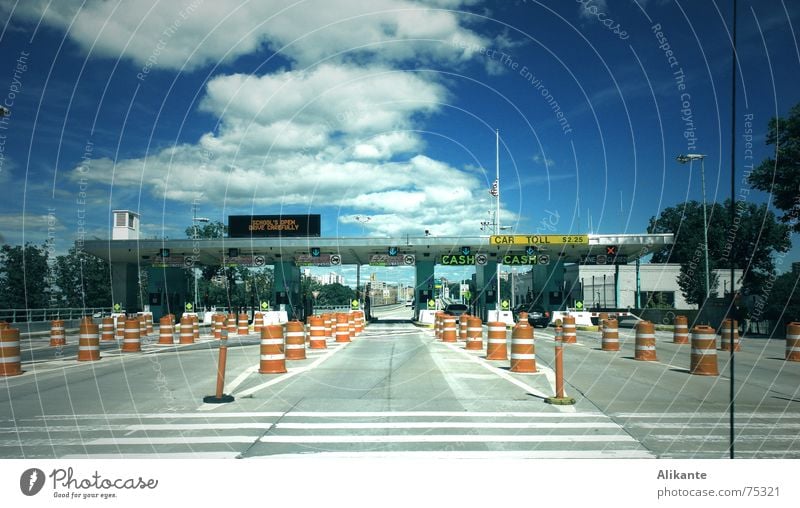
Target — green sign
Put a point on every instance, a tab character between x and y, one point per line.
264	305
579	305
431	304
189	306
354	305
520	259
117	307
504	304
457	260
467	295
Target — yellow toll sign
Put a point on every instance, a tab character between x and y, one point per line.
538	239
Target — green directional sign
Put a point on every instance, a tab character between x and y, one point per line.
579	305
504	304
458	260
431	304
354	305
520	259
467	295
264	305
189	307
117	307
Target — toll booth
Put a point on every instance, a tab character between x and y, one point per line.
167	291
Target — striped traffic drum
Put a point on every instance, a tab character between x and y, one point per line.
88	342
704	352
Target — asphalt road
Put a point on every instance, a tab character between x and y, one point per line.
395	391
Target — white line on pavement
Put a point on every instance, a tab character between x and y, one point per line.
448	438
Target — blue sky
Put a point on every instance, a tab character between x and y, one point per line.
384	109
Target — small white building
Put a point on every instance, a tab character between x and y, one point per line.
598	285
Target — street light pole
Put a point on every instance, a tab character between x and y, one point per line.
683	159
195	220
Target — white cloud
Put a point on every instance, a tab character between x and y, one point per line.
538	159
195	33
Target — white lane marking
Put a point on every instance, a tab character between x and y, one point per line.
122	455
324	414
449	438
449	425
199	426
739	415
288	375
508	377
116	441
464	375
491	455
165	416
711	426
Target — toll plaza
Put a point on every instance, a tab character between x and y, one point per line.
166	260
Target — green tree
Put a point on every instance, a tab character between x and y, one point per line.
782	303
749	242
24	277
214	229
335	294
83	280
780	175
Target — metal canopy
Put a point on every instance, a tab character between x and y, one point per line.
359	250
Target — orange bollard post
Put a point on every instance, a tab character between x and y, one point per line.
219	397
645	348
610	338
448	325
680	334
703	361
523	350
295	341
273	359
560	398
793	342
132	343
496	348
474	334
57	334
88	342
10	354
570	335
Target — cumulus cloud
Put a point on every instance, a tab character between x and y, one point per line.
195	33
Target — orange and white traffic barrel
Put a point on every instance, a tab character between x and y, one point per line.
295	341
121	328
359	322
793	342
523	350
496	348
195	327
88	342
142	325
316	330
437	325
610	338
462	326
243	325
165	336
329	321
601	316
231	323
148	322
57	333
10	355
342	328
258	322
570	335
221	325
186	330
725	335
704	351
132	341
273	359
645	348
449	329
351	324
523	316
680	335
474	334
107	328
86	319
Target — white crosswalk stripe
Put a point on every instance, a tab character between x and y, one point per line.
325	433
